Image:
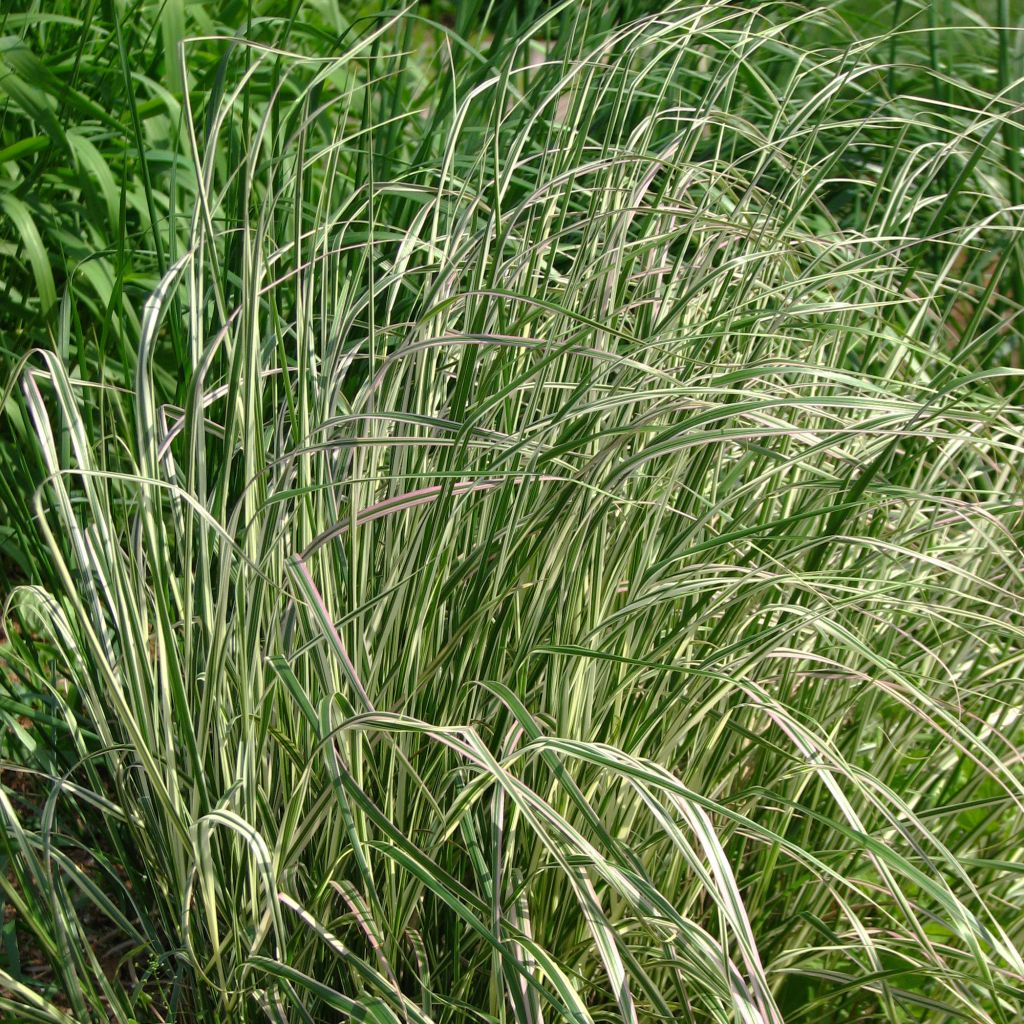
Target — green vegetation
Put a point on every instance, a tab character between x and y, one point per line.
513	512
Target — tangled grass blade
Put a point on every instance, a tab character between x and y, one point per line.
514	513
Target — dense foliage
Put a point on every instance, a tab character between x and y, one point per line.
513	512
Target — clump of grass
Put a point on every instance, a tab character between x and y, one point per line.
579	576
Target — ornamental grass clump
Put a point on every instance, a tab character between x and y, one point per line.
556	553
